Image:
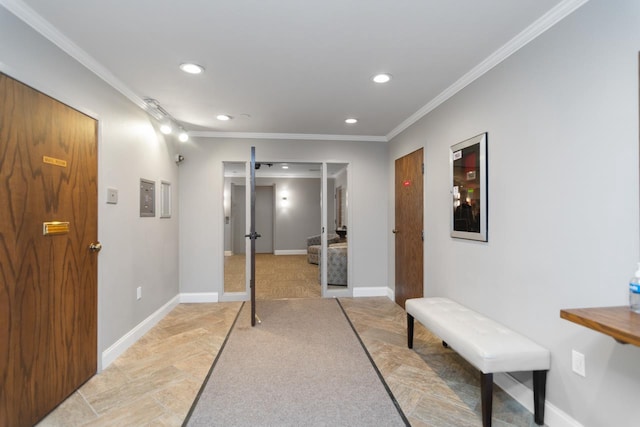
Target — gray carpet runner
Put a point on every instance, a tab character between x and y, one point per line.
303	366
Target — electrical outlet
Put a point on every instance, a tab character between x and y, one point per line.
139	292
578	363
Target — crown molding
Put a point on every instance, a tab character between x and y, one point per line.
542	24
51	33
298	136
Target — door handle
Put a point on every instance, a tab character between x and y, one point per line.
252	236
394	231
95	247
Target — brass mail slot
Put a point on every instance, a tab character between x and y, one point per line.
55	227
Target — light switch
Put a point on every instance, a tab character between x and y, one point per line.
112	196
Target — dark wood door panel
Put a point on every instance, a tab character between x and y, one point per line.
48	292
408	227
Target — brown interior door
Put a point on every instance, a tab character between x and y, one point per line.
408	230
48	283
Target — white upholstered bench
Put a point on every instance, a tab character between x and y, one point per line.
486	344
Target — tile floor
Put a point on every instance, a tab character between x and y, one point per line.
155	381
433	385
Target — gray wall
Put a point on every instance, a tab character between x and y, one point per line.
137	251
562	118
298	217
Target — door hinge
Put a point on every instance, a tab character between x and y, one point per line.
422	235
423	169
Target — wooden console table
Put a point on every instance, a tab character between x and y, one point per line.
618	322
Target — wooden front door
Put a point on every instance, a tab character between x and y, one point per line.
409	225
48	283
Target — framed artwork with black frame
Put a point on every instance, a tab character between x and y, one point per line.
468	160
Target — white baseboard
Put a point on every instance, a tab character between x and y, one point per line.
234	296
228	253
120	346
373	292
199	297
291	252
553	416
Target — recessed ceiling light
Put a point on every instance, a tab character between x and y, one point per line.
285	167
381	78
351	121
223	117
191	68
183	136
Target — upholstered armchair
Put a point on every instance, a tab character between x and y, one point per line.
314	246
337	264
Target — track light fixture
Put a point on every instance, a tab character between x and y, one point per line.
167	122
166	128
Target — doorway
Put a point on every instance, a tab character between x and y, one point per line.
296	193
264	218
408	230
48	255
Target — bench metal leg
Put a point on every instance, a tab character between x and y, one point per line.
486	397
539	392
409	330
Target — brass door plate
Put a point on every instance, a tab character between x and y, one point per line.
52	228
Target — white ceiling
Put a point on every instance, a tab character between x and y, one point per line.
294	66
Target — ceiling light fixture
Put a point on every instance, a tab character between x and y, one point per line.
166	128
167	121
285	166
351	121
191	68
223	117
381	78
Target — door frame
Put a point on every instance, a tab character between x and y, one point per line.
253	235
325	292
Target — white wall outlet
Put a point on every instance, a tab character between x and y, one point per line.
578	363
139	292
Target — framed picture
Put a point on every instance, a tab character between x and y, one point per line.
468	160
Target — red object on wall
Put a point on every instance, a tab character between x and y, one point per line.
470	162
